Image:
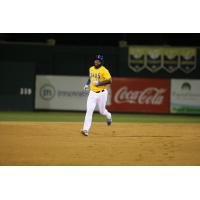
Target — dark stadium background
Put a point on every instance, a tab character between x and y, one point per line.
107	39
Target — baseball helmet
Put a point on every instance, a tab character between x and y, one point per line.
99	57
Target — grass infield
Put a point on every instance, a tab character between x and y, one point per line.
79	117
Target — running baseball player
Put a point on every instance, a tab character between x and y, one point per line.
99	79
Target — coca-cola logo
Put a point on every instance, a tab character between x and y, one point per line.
151	95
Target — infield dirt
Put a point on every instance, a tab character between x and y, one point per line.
122	144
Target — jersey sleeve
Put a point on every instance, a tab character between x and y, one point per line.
107	75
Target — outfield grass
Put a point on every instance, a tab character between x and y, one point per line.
79	117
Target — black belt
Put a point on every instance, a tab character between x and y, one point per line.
100	91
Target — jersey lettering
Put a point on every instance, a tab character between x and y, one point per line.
94	75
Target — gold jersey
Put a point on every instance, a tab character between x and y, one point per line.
100	74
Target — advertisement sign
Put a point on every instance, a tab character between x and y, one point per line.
60	93
185	96
170	59
140	95
127	94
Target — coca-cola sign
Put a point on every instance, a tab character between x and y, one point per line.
152	96
140	95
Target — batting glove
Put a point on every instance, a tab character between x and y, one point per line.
96	83
86	87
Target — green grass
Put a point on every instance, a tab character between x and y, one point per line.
79	117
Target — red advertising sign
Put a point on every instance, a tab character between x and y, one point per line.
140	95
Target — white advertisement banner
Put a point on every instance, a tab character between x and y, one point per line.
60	92
185	96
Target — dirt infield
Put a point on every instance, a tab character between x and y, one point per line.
59	143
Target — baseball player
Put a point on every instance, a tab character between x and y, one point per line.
99	79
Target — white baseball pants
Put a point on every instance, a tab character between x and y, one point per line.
94	99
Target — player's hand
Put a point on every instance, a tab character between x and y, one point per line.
86	87
96	83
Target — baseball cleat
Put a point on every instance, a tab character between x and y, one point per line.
109	122
84	132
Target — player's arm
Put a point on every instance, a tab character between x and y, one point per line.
106	82
87	85
88	82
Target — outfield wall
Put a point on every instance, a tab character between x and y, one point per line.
20	63
17	86
125	95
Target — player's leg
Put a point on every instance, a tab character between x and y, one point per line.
91	103
102	106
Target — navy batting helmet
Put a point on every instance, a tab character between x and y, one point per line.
99	57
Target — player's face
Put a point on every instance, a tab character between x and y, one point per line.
97	63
